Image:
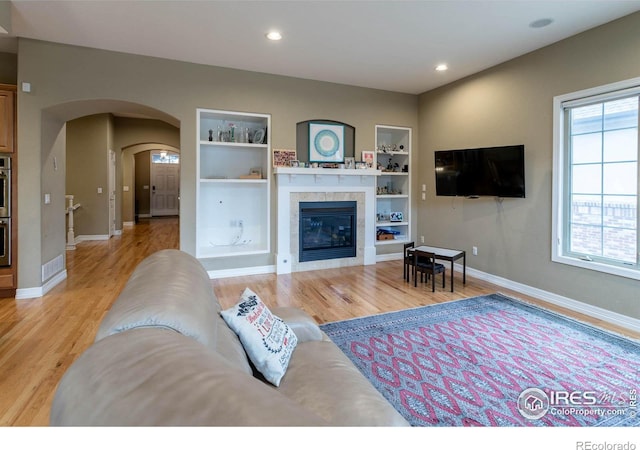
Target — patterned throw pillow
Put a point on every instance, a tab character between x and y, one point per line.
268	341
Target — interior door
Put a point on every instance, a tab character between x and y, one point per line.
165	184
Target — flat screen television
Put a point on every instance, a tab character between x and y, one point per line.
475	172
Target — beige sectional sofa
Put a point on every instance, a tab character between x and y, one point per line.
163	356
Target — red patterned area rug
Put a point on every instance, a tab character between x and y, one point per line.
495	361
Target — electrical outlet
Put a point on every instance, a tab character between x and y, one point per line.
422	239
475	251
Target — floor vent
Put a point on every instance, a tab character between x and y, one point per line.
52	267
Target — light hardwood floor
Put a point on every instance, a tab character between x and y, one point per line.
40	338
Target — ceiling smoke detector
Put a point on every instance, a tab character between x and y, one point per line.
541	23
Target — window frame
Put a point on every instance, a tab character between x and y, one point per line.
561	167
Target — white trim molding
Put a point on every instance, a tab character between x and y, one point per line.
560	160
37	292
389	257
296	184
574	305
584	308
241	272
92	237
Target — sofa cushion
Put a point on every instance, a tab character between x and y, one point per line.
267	339
301	323
229	345
322	379
156	377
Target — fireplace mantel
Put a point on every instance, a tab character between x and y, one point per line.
308	184
294	172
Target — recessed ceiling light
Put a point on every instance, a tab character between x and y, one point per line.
441	67
541	23
274	35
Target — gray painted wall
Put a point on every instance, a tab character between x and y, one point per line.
101	81
87	170
512	104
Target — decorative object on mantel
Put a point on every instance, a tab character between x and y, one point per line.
282	157
367	158
345	136
294	163
326	143
349	162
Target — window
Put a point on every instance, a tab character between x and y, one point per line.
165	158
596	191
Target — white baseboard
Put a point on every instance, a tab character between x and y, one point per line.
127	224
92	237
584	308
388	257
117	233
241	271
38	292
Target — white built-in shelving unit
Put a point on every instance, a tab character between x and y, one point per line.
233	208
393	187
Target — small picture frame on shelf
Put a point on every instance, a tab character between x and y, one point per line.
361	165
282	157
368	157
294	163
397	216
349	162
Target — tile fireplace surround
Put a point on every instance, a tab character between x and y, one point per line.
295	185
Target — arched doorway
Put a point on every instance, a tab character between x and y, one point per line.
54	174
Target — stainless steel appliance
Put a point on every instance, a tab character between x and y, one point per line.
5	210
5	242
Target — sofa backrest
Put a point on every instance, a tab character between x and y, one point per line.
169	289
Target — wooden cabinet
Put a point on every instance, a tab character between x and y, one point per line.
7	118
8	147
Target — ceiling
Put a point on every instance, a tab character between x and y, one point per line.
390	45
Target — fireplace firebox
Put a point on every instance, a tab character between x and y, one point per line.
327	230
